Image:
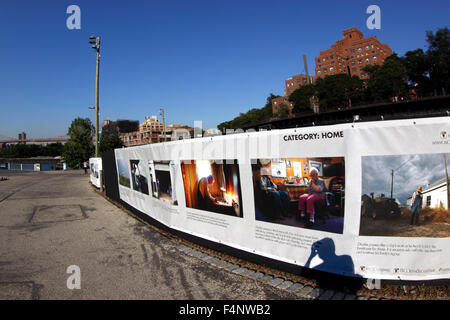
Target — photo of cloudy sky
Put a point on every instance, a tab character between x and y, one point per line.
410	171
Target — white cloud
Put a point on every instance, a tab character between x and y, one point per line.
410	171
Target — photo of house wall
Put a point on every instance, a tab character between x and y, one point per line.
162	177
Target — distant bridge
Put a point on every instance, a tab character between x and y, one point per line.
22	139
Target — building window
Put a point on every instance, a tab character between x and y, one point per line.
359	49
353	69
428	201
353	63
332	69
359	61
362	75
367	47
375	58
367	59
352	51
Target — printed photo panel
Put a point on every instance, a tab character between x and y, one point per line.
213	185
283	190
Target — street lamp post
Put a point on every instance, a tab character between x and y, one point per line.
95	41
161	111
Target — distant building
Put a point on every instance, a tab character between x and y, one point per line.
152	131
295	82
212	132
347	56
278	102
120	126
351	54
434	195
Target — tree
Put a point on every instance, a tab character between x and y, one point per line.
387	81
301	98
338	91
251	116
417	65
109	141
79	147
439	57
283	111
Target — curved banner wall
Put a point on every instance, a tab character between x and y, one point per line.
95	166
340	199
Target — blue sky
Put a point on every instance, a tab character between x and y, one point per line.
200	60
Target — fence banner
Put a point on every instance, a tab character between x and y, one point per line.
95	165
340	199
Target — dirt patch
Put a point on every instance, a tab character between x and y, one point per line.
433	223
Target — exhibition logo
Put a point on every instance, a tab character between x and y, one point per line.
444	138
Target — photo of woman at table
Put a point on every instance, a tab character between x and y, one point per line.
212	186
300	192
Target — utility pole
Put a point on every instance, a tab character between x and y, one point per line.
95	41
446	180
392	182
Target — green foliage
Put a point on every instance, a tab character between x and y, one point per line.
428	72
251	116
388	80
283	111
108	142
439	58
301	98
80	147
339	91
31	150
417	67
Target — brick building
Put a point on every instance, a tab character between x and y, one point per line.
152	131
277	102
295	82
351	54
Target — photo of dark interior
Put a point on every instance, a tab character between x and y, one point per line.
138	178
161	175
284	194
213	186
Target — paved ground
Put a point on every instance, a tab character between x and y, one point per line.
52	220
